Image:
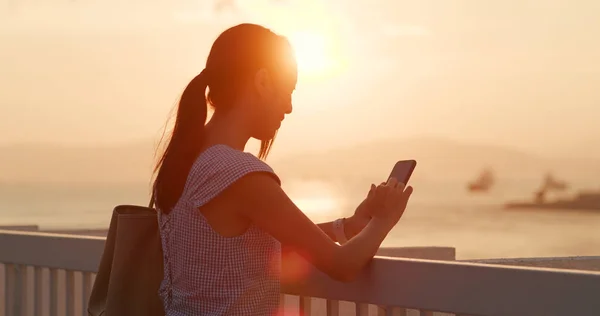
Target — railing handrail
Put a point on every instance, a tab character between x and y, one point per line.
60	251
462	288
457	287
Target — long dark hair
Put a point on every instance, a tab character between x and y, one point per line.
235	56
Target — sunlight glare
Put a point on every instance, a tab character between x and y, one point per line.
317	199
313	30
313	53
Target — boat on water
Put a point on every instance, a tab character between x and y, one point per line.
483	183
582	201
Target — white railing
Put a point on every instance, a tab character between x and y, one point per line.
51	274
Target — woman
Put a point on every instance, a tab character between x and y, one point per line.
223	215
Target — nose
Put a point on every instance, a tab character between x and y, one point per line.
288	109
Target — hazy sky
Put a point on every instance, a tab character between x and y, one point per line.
515	72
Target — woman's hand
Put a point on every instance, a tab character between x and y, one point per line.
361	217
377	204
389	201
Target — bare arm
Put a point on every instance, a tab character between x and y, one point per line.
357	222
351	229
260	198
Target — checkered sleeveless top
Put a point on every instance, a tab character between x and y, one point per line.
204	272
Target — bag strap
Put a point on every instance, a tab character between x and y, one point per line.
152	200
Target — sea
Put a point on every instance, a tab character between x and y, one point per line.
440	213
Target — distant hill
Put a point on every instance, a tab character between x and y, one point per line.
437	159
121	163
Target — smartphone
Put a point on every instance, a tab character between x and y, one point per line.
402	170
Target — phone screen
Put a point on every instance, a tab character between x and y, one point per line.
403	169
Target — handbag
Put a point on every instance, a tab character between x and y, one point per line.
131	266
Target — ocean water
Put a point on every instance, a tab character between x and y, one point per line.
439	214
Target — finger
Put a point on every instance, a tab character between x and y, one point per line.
392	182
383	186
399	194
379	193
406	196
371	195
387	189
371	191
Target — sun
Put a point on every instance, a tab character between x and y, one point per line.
312	28
314	53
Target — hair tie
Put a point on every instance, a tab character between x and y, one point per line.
201	79
205	73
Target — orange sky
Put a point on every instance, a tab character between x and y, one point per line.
521	73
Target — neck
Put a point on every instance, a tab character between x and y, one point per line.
226	129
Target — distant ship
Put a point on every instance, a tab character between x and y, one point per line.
483	183
582	201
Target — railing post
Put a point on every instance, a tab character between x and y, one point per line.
16	299
10	285
362	309
38	285
333	308
86	290
305	305
70	293
53	292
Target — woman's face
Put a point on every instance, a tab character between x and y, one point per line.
274	102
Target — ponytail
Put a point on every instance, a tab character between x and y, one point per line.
184	145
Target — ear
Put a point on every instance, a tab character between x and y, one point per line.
263	83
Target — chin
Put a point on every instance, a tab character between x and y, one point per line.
265	134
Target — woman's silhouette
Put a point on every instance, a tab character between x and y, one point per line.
222	213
